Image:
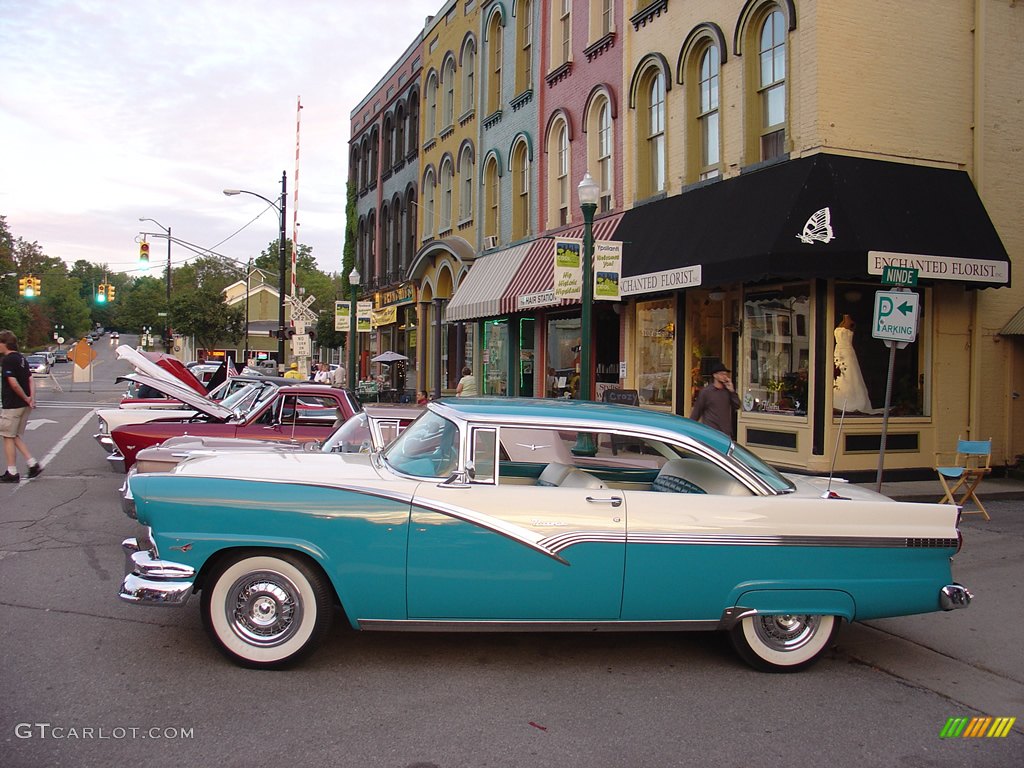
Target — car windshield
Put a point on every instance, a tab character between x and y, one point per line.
242	400
36	359
351	437
758	467
429	447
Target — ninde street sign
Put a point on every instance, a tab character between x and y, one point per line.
892	275
896	315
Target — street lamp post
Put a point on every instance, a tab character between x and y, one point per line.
353	280
589	192
167	325
280	207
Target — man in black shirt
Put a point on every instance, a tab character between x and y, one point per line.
717	402
17	400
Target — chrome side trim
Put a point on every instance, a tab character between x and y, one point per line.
733	616
127	497
953	596
469	625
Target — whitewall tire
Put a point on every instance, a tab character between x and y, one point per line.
265	610
783	643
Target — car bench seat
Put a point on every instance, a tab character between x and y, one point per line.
696	476
565	476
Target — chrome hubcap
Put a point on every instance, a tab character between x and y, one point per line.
265	610
786	632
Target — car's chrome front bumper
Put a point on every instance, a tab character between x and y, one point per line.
150	581
105	440
953	596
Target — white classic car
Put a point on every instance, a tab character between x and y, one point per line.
465	522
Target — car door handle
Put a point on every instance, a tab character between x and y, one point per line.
615	501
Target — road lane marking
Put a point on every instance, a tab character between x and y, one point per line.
64	440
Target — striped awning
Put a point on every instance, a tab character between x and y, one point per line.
480	293
534	283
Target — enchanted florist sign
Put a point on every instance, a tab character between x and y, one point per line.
895	317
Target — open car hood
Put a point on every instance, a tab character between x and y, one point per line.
158	364
175	389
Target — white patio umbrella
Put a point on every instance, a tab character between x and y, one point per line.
388	357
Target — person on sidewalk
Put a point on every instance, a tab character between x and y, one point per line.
716	403
17	400
293	372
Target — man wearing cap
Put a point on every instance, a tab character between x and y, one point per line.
716	403
293	372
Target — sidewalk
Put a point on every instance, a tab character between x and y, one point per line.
930	490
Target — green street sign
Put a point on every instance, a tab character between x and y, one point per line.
899	276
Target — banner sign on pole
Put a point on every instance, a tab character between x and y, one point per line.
568	268
364	310
607	269
341	316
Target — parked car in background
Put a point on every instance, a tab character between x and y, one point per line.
39	364
369	430
652	522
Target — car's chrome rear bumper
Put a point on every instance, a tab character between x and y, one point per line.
150	581
953	596
116	461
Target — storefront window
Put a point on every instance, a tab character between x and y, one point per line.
495	362
861	362
563	358
776	337
655	342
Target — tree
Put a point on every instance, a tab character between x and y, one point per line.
141	304
203	314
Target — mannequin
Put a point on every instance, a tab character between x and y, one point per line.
849	389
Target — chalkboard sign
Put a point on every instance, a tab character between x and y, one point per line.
621	396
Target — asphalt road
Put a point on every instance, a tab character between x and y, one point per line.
86	680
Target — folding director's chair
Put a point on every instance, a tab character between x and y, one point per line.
965	468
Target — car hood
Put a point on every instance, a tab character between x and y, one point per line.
151	374
158	364
808	486
191	445
282	466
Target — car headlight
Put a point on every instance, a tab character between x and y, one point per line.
103	426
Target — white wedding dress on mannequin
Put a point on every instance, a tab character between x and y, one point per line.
850	391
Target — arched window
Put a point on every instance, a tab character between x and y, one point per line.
364	166
558	174
430	119
429	193
772	85
448	81
466	184
374	156
370	266
444	222
400	149
494	41
414	122
524	44
385	240
396	240
361	245
353	167
605	172
655	132
468	77
389	141
491	197
411	210
520	191
708	128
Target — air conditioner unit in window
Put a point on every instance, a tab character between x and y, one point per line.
490	241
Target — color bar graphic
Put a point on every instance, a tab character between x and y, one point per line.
977	727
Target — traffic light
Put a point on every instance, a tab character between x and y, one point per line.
101	293
144	253
23	283
111	291
37	286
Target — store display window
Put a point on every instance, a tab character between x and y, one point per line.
655	345
776	339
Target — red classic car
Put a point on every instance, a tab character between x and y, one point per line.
299	414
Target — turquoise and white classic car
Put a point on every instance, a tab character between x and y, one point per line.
516	514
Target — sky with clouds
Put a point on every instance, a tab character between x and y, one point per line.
112	110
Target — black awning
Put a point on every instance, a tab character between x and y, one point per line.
820	216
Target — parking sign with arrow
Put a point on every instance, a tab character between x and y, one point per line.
895	317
